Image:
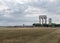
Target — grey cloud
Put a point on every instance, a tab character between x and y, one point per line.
18	11
50	7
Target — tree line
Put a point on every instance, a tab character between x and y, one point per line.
46	25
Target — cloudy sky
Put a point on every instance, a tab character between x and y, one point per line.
18	12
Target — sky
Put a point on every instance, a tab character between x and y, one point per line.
18	12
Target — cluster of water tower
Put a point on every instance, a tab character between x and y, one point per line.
43	19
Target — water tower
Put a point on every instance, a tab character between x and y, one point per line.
50	21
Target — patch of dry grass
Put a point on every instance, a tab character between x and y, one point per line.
27	35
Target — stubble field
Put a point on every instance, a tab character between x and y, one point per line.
30	35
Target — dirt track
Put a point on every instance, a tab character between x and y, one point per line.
54	37
57	35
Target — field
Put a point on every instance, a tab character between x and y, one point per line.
30	35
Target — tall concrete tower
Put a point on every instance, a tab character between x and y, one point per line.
43	19
50	21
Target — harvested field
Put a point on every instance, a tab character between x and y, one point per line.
30	35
